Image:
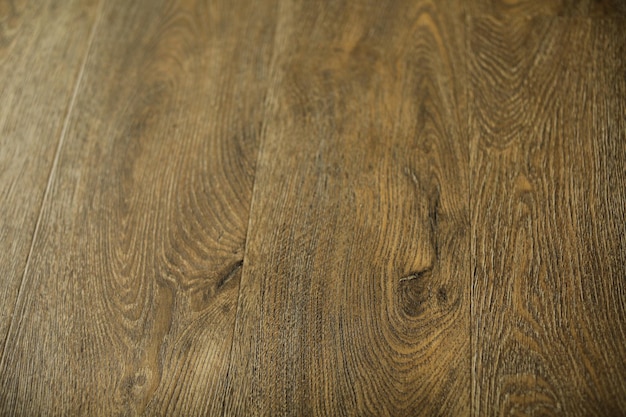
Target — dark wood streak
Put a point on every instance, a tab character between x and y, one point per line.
228	275
547	8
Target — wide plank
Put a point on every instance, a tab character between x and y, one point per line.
354	297
548	199
40	64
129	302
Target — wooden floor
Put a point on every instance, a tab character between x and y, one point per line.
312	208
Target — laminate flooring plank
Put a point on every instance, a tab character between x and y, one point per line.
40	63
129	303
534	8
548	204
355	292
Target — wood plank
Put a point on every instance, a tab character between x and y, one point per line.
130	299
355	292
534	8
40	63
548	158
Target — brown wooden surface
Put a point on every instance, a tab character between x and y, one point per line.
284	207
552	8
40	65
548	216
130	297
355	293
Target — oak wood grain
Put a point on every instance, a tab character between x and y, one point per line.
129	302
548	100
40	63
534	8
355	291
287	207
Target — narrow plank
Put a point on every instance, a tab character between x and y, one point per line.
548	158
40	62
355	295
534	8
130	299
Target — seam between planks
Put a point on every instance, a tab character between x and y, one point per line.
245	256
469	137
262	139
53	168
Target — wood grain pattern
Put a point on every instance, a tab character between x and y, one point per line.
311	208
548	220
532	8
40	63
355	292
129	302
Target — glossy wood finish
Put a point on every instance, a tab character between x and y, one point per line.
282	207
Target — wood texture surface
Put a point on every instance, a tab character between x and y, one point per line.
312	208
548	216
534	8
355	292
129	300
40	64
